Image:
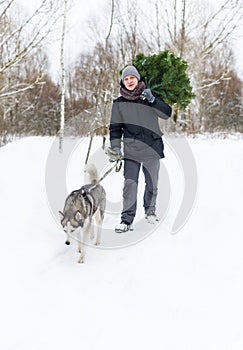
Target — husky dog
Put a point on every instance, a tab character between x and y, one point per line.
80	207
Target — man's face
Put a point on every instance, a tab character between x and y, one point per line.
130	82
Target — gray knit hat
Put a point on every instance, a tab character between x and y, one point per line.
130	70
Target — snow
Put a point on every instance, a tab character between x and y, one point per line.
172	292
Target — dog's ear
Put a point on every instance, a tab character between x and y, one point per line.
84	192
61	215
78	216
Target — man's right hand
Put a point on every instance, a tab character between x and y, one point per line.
114	154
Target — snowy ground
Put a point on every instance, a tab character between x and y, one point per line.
166	292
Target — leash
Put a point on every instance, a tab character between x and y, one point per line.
113	155
117	166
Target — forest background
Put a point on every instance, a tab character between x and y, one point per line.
46	70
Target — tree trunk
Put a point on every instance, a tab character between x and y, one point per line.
62	109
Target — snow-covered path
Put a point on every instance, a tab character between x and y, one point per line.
172	292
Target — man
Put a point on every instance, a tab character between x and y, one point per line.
134	121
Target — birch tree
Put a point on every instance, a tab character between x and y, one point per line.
63	78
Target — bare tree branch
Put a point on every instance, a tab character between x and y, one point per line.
17	89
41	22
111	22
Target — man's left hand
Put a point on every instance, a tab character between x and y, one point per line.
149	96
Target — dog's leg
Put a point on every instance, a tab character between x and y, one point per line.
99	218
98	236
92	235
99	221
80	245
79	240
86	233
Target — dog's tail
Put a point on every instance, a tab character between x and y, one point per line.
91	171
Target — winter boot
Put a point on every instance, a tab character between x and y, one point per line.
123	227
151	218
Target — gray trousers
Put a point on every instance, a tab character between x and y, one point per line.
131	174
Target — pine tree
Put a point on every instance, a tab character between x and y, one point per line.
165	73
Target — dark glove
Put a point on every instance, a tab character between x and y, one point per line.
148	95
114	154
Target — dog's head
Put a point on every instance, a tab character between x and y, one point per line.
70	221
73	215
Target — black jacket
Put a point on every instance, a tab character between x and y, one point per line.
136	122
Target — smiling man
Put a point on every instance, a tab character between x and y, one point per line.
134	121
